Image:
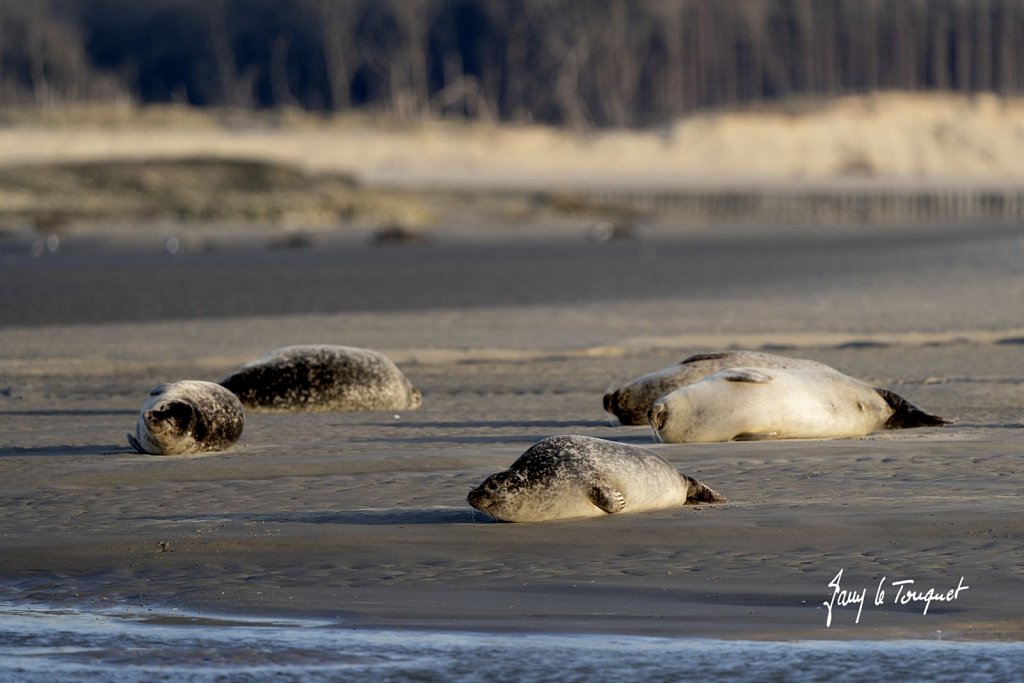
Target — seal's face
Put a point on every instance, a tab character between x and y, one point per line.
621	403
632	402
168	423
494	495
513	494
671	418
415	398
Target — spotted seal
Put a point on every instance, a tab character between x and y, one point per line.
564	477
323	377
747	404
189	416
632	401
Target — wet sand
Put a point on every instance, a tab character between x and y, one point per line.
362	517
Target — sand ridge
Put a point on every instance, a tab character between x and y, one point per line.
882	137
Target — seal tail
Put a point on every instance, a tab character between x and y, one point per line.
699	493
905	415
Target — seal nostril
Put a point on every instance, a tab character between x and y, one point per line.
609	401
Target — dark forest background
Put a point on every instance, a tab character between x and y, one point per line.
579	63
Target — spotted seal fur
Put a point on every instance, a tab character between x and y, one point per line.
189	416
323	377
565	477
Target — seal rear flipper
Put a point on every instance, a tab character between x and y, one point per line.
135	444
905	415
755	436
608	499
699	493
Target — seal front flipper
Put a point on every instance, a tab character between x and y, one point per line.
905	415
755	436
135	444
608	499
746	375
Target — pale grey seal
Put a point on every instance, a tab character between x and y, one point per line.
745	404
632	401
189	416
323	377
564	477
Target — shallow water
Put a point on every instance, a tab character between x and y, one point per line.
126	645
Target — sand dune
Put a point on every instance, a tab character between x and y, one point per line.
883	137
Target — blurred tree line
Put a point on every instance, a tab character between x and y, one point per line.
573	62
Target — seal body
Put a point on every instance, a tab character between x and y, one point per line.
632	401
746	404
565	477
323	377
188	417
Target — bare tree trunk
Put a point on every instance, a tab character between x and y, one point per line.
514	70
280	87
1002	69
339	20
567	87
964	63
983	46
234	88
411	77
37	63
938	39
672	82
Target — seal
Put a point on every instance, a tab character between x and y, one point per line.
566	477
323	377
750	404
632	401
189	416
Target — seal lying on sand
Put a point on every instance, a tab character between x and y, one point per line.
188	417
563	477
322	377
632	401
747	404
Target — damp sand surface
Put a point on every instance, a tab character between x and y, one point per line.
126	645
360	519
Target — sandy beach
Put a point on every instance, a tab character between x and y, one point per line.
362	518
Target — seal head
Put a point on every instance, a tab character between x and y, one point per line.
189	416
